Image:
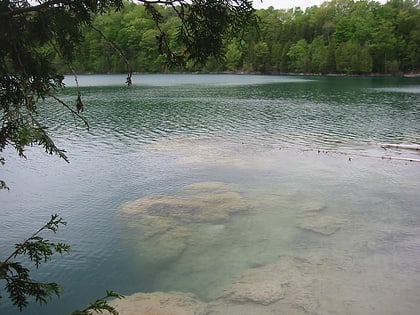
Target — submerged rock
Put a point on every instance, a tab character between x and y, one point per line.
159	303
200	208
164	248
151	226
310	216
325	225
311	207
264	291
162	223
209	187
200	203
281	286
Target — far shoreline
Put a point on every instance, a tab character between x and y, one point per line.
401	75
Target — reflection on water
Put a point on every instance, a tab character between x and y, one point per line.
267	193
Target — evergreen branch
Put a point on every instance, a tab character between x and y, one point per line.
162	39
118	50
79	107
79	103
100	305
34	8
165	2
51	225
19	284
42	138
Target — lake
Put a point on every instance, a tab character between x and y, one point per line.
195	183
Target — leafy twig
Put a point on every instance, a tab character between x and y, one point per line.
51	225
100	305
19	284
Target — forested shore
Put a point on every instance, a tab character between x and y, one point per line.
337	37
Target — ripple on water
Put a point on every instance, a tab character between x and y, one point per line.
347	228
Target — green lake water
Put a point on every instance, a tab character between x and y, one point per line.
305	156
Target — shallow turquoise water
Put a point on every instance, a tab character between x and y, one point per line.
284	141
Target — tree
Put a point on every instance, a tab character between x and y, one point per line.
318	53
234	55
344	56
261	56
32	35
383	44
299	57
389	33
361	61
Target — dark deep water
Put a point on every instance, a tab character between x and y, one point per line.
283	142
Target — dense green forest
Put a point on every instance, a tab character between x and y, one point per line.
340	36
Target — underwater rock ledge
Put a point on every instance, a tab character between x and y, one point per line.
163	224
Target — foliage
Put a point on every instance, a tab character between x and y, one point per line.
342	36
100	305
18	283
320	39
203	23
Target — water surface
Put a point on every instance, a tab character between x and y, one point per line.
284	144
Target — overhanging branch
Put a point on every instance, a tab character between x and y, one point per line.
52	3
35	8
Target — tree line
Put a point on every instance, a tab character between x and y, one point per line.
339	36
